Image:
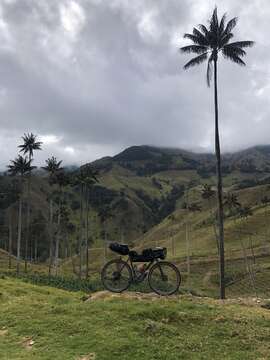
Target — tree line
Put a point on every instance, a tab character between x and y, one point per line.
18	199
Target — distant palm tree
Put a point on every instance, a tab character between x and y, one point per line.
231	201
207	194
80	180
20	166
53	166
30	144
85	179
62	180
104	214
90	180
245	212
208	42
265	200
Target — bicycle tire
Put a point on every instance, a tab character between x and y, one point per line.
110	281
161	282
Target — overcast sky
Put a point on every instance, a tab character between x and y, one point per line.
92	77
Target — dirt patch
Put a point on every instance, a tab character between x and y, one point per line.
3	332
28	343
106	295
91	356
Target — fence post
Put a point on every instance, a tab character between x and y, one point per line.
173	245
188	256
105	248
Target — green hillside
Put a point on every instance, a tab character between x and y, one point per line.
148	196
149	183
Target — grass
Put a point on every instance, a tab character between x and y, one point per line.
59	325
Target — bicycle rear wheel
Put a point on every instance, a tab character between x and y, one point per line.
116	275
164	278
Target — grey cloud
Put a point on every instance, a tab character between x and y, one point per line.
114	77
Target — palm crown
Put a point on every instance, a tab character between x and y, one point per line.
52	165
86	176
30	144
231	200
209	41
207	191
21	166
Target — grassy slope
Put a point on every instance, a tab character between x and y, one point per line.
64	327
172	229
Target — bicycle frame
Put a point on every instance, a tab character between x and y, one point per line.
141	277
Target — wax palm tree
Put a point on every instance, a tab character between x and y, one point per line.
90	180
53	166
85	179
231	201
80	181
104	214
207	194
21	166
62	180
30	144
208	43
245	211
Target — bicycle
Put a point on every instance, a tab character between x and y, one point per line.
163	277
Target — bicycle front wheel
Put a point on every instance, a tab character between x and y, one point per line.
164	278
116	275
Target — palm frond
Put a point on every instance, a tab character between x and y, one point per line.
196	61
232	56
222	23
202	38
214	22
197	49
230	25
225	39
194	38
234	50
203	29
242	44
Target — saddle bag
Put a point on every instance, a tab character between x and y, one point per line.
121	249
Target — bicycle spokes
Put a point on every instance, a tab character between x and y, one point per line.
164	278
116	275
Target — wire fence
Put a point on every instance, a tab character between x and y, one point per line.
195	251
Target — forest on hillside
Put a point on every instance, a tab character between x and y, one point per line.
52	213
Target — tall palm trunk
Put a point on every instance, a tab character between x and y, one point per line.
66	245
56	260
81	231
87	233
219	192
27	223
35	249
19	236
213	216
9	241
51	236
59	230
